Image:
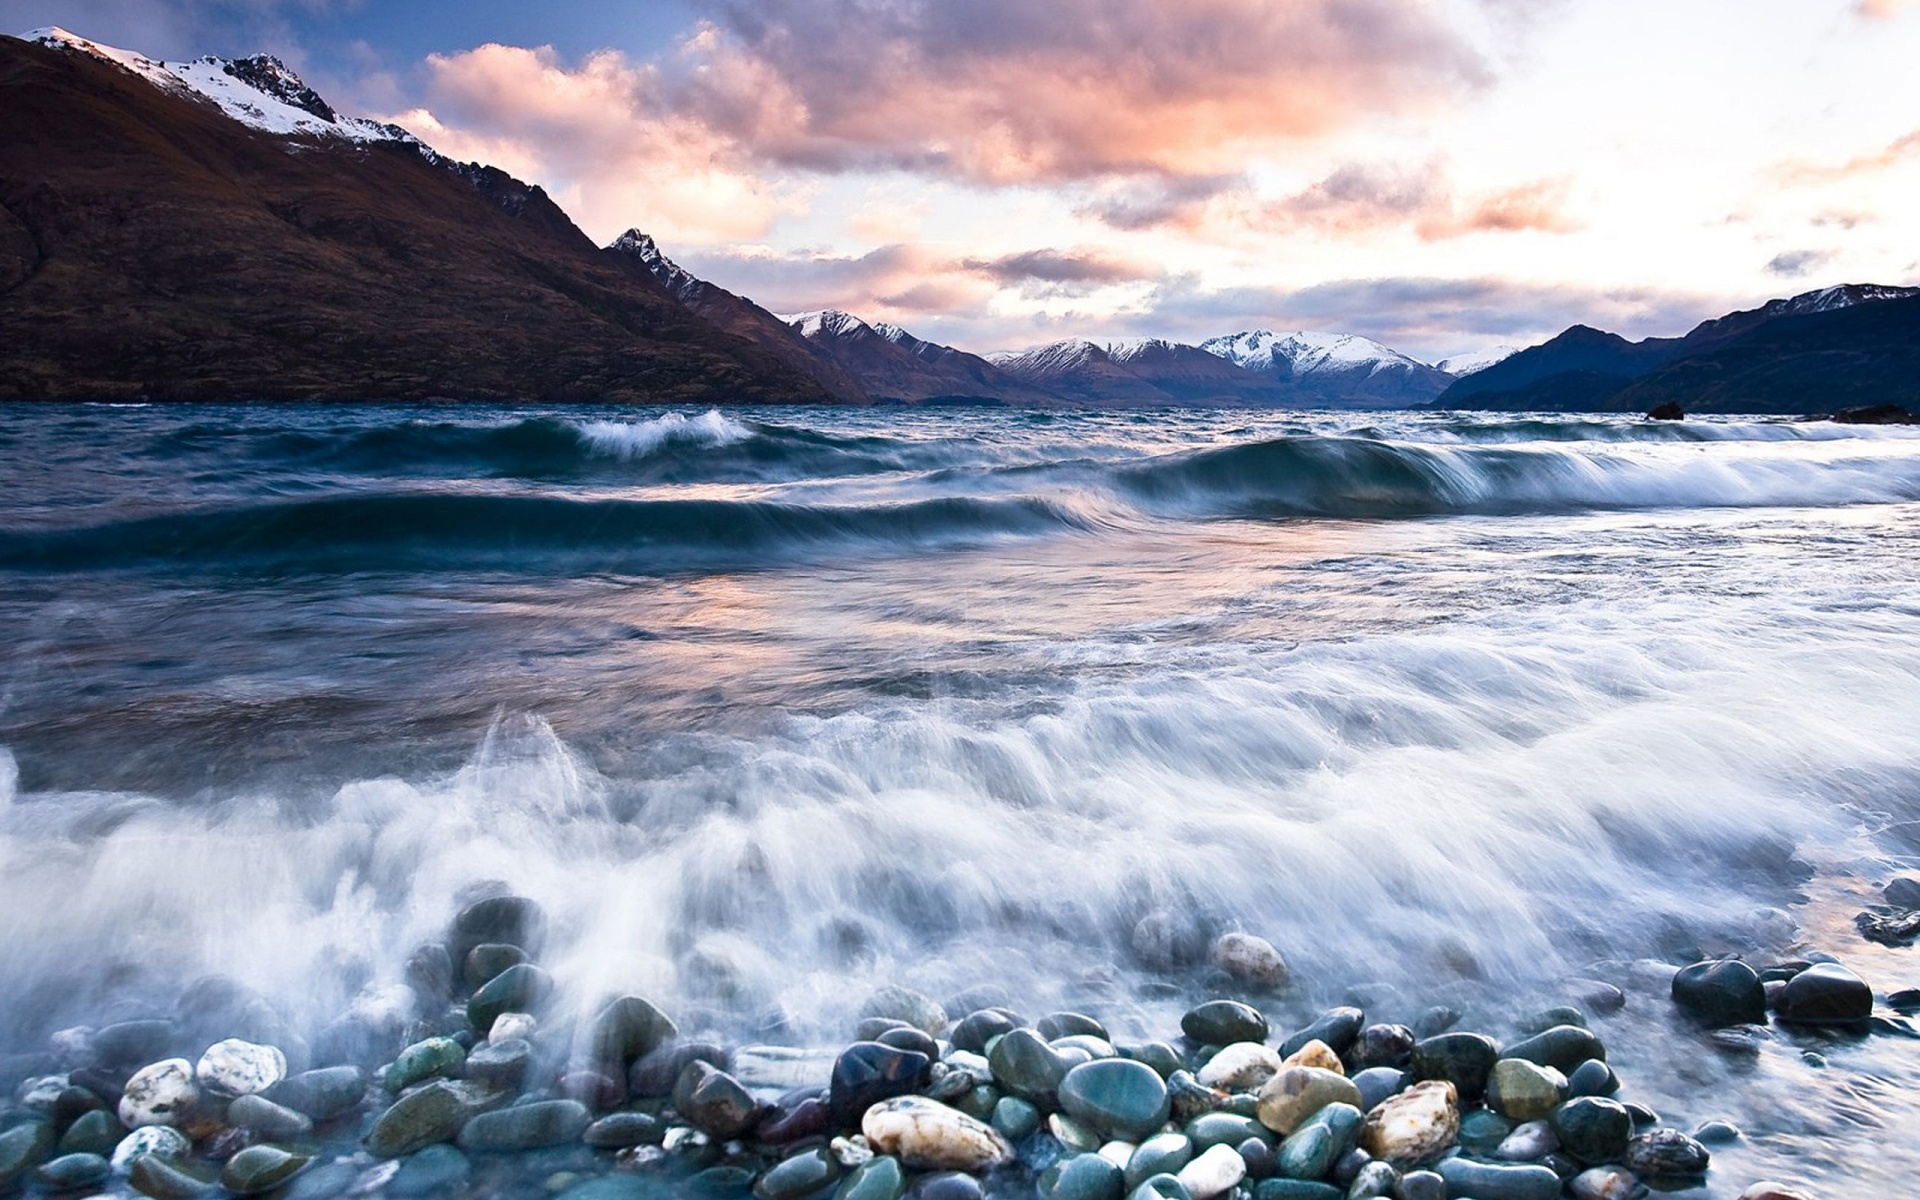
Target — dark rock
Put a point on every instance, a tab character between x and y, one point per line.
869	1072
508	920
879	1178
485	961
629	1030
1055	1026
617	1131
1223	1022
1296	1189
1482	1130
713	1102
134	1044
1337	1027
1421	1185
1667	411
1084	1177
1490	1181
260	1169
979	1027
1382	1046
71	1172
599	1092
1592	1129
436	1171
526	1126
1310	1151
502	1065
1462	1059
96	1132
1117	1097
1378	1083
1163	1058
1166	942
1665	1154
152	1175
1024	1064
274	1122
811	1117
437	1057
1721	992
74	1102
801	1175
1260	1156
322	1094
1563	1047
429	972
523	988
1592	1078
1889	929
946	1185
654	1075
434	1113
1435	1021
1224	1129
1875	414
23	1148
1902	893
1825	994
910	1039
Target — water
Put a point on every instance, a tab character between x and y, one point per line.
771	707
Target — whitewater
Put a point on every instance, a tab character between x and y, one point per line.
769	708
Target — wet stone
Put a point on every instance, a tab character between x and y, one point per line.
654	1074
1337	1027
260	1169
96	1132
1593	1130
1015	1118
158	1094
801	1175
1213	1173
275	1122
1482	1130
1415	1127
1024	1064
161	1140
523	988
978	1028
1383	1046
322	1094
1530	1142
70	1172
510	920
502	1064
525	1127
1592	1078
1250	961
1721	992
617	1131
1463	1059
630	1029
1084	1177
1223	1022
438	1057
809	1117
1490	1181
1373	1179
946	1185
1378	1083
1562	1047
1316	1053
904	1004
1296	1189
485	961
236	1068
434	1113
713	1101
1422	1185
1223	1129
1117	1097
1522	1090
908	1038
866	1073
1825	994
1295	1094
1240	1067
133	1043
1311	1150
1605	1183
927	1135
1163	1058
162	1179
879	1178
436	1171
1057	1025
1666	1154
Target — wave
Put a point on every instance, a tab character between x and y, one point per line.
435	530
1356	477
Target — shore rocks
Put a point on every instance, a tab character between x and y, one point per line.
163	1179
713	1101
163	1141
1593	1130
1250	960
158	1094
1523	1090
71	1172
1337	1027
237	1068
929	1136
1562	1047
1415	1127
1241	1067
274	1122
497	920
523	988
1024	1064
1117	1097
1223	1022
1720	993
904	1004
1213	1173
525	1127
438	1057
1315	1053
1321	1140
1295	1094
1492	1181
1825	994
1666	1154
260	1169
869	1072
321	1094
434	1113
1463	1059
628	1030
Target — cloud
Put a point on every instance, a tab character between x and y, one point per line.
1895	153
1059	266
1792	264
1882	9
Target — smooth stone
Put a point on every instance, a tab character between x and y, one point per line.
784	1123
869	1072
95	1132
654	1074
1116	1096
1295	1189
1462	1059
1717	1133
879	1178
1769	1190
1593	1130
434	1113
629	1029
1024	1064
1311	1150
1223	1129
1250	960
1666	1153
1161	1154
485	962
1540	1022
436	1171
908	1038
512	1027
1434	1021
1825	994
1562	1047
1415	1127
1016	1119
617	1131
1073	1134
259	1169
1421	1185
1085	1177
978	1028
1057	1025
946	1185
1223	1022
512	920
73	1102
158	1094
434	1058
1118	1153
714	1102
522	988
1523	1090
1087	1044
526	1127
1295	1094
800	1175
1337	1027
1213	1173
1371	1180
904	1004
1163	1058
926	1135
1383	1046
322	1094
1529	1142
1160	1187
503	1064
1592	1078
70	1172
1191	1098
1605	1183
275	1122
1491	1181
131	1043
721	1183
1482	1130
1377	1083
1721	992
161	1140
236	1068
158	1177
1315	1053
1240	1067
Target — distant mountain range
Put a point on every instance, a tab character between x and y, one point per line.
215	229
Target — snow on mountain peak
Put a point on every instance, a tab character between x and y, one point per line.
260	92
1305	352
1473	361
826	322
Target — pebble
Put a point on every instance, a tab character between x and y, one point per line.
1563	1048
798	1175
1373	1179
1223	1022
1240	1067
439	1057
434	1113
236	1068
521	988
978	1028
1323	1139
435	1171
95	1132
1015	1118
1383	1046
1073	1134
1162	1154
485	962
1769	1190
1057	1025
1524	1090
1717	1133
260	1169
617	1131
525	1126
1593	1130
878	1178
70	1172
1337	1027
1666	1154
1421	1185
1490	1181
1315	1053
1084	1177
869	1072
1414	1127
1592	1078
1377	1083
1605	1183
1250	960
322	1094
904	1004
158	1094
927	1135
1529	1142
1117	1097
628	1030
163	1141
1214	1173
275	1122
1825	994
512	1027
1024	1064
1295	1094
1463	1059
1721	992
714	1102
163	1179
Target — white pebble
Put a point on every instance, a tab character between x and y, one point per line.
163	1140
239	1068
157	1094
511	1025
41	1091
1118	1153
1214	1173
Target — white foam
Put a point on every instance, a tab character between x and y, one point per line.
623	440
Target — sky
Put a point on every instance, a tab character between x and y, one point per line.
1442	175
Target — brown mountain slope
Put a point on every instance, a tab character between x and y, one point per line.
152	247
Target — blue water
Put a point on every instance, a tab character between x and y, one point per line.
771	707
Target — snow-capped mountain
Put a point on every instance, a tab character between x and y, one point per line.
1474	361
1339	369
893	364
1829	299
260	92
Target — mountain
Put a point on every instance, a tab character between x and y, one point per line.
1334	369
739	316
1081	371
1473	362
1736	363
892	364
215	230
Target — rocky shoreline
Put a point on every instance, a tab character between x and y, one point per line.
487	1092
